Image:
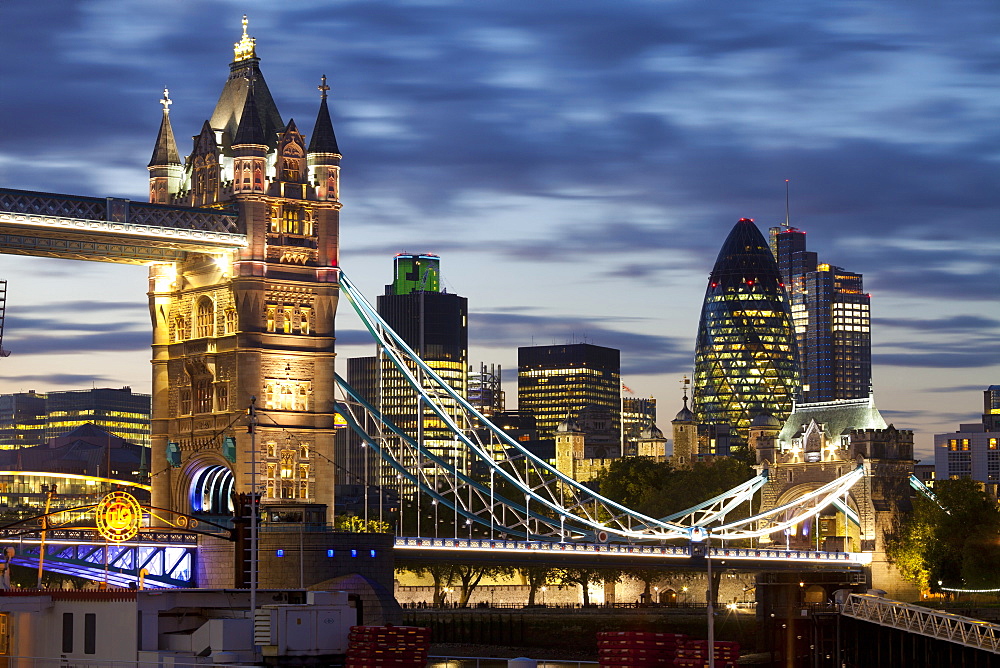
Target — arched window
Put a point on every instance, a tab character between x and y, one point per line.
291	164
232	321
205	319
202	395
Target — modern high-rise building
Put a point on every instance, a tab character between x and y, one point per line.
22	419
745	358
578	380
434	323
637	415
974	450
32	419
121	412
832	317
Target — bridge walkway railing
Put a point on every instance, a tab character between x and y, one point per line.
923	621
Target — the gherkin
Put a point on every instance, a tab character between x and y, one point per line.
746	361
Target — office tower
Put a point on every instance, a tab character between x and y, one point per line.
119	411
637	415
832	318
434	324
745	356
579	380
991	408
22	419
974	450
30	419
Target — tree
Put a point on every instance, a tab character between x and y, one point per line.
537	576
956	544
442	576
356	524
579	576
648	577
585	576
469	576
657	489
634	482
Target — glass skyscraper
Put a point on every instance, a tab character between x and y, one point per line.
832	317
578	380
746	361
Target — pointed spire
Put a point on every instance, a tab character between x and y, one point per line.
165	151
323	139
250	130
246	48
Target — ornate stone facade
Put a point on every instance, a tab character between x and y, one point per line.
821	442
251	327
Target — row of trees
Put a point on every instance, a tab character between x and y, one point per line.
953	543
657	489
466	577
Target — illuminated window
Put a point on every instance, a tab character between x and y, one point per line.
291	164
222	396
275	218
290	220
231	321
185	401
205	318
202	389
271	314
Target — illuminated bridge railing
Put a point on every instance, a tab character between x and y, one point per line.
167	557
660	551
923	621
115	210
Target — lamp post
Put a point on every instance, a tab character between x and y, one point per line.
708	595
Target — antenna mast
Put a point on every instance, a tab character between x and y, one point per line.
787	220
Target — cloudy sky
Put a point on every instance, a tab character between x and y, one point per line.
577	165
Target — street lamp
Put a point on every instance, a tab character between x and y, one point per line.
708	595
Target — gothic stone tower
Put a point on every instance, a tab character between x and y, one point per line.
258	323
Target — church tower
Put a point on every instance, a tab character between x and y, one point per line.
255	327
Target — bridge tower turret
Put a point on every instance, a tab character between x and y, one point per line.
165	164
256	323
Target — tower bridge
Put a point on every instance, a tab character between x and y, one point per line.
241	238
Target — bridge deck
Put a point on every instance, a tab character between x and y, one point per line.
110	229
507	550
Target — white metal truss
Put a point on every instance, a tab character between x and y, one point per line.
716	508
791	513
554	505
923	621
514	492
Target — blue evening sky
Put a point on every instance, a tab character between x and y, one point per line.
576	165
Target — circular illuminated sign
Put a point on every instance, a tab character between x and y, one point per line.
118	516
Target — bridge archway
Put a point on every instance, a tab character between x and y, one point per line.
206	485
831	522
211	490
